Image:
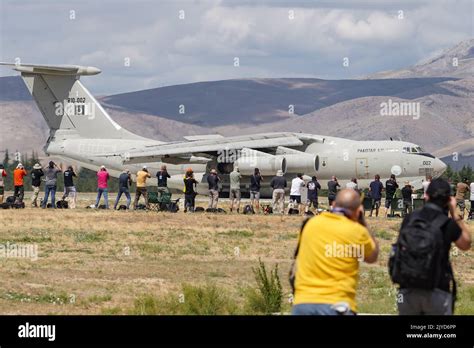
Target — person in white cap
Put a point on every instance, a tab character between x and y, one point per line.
213	184
36	175
234	178
18	174
278	184
142	175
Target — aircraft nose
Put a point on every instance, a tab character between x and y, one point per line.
439	167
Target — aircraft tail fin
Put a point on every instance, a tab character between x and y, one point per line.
66	104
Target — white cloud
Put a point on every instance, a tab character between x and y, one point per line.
165	50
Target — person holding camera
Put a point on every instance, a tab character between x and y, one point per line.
419	262
189	190
327	258
51	178
333	186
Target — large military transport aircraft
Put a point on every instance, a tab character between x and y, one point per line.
82	133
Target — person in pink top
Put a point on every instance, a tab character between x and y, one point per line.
102	180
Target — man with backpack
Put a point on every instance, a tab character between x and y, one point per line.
255	184
36	175
419	261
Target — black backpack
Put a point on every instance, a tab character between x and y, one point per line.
10	199
416	258
248	209
62	204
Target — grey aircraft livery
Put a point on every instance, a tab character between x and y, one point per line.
82	133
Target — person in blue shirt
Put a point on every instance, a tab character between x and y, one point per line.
375	192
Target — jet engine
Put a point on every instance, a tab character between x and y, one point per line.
267	164
298	161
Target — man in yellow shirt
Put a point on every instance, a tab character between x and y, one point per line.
142	175
327	264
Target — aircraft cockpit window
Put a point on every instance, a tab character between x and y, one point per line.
419	149
414	150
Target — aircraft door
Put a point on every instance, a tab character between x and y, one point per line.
362	168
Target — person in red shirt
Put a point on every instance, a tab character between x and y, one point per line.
102	180
18	174
3	173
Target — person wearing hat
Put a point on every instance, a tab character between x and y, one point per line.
18	174
36	175
3	173
213	184
407	192
278	184
125	181
69	188
189	190
234	178
51	178
142	176
163	177
102	186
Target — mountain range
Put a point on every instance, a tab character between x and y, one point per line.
442	86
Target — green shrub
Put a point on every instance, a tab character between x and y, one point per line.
268	296
193	300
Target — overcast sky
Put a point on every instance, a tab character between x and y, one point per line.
270	38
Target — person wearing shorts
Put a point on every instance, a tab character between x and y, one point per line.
295	191
313	188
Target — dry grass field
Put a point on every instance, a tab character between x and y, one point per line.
124	262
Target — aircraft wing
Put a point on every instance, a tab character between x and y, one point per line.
209	147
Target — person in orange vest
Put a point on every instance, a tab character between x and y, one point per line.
18	174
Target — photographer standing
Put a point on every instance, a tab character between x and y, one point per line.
333	186
51	178
326	280
420	259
